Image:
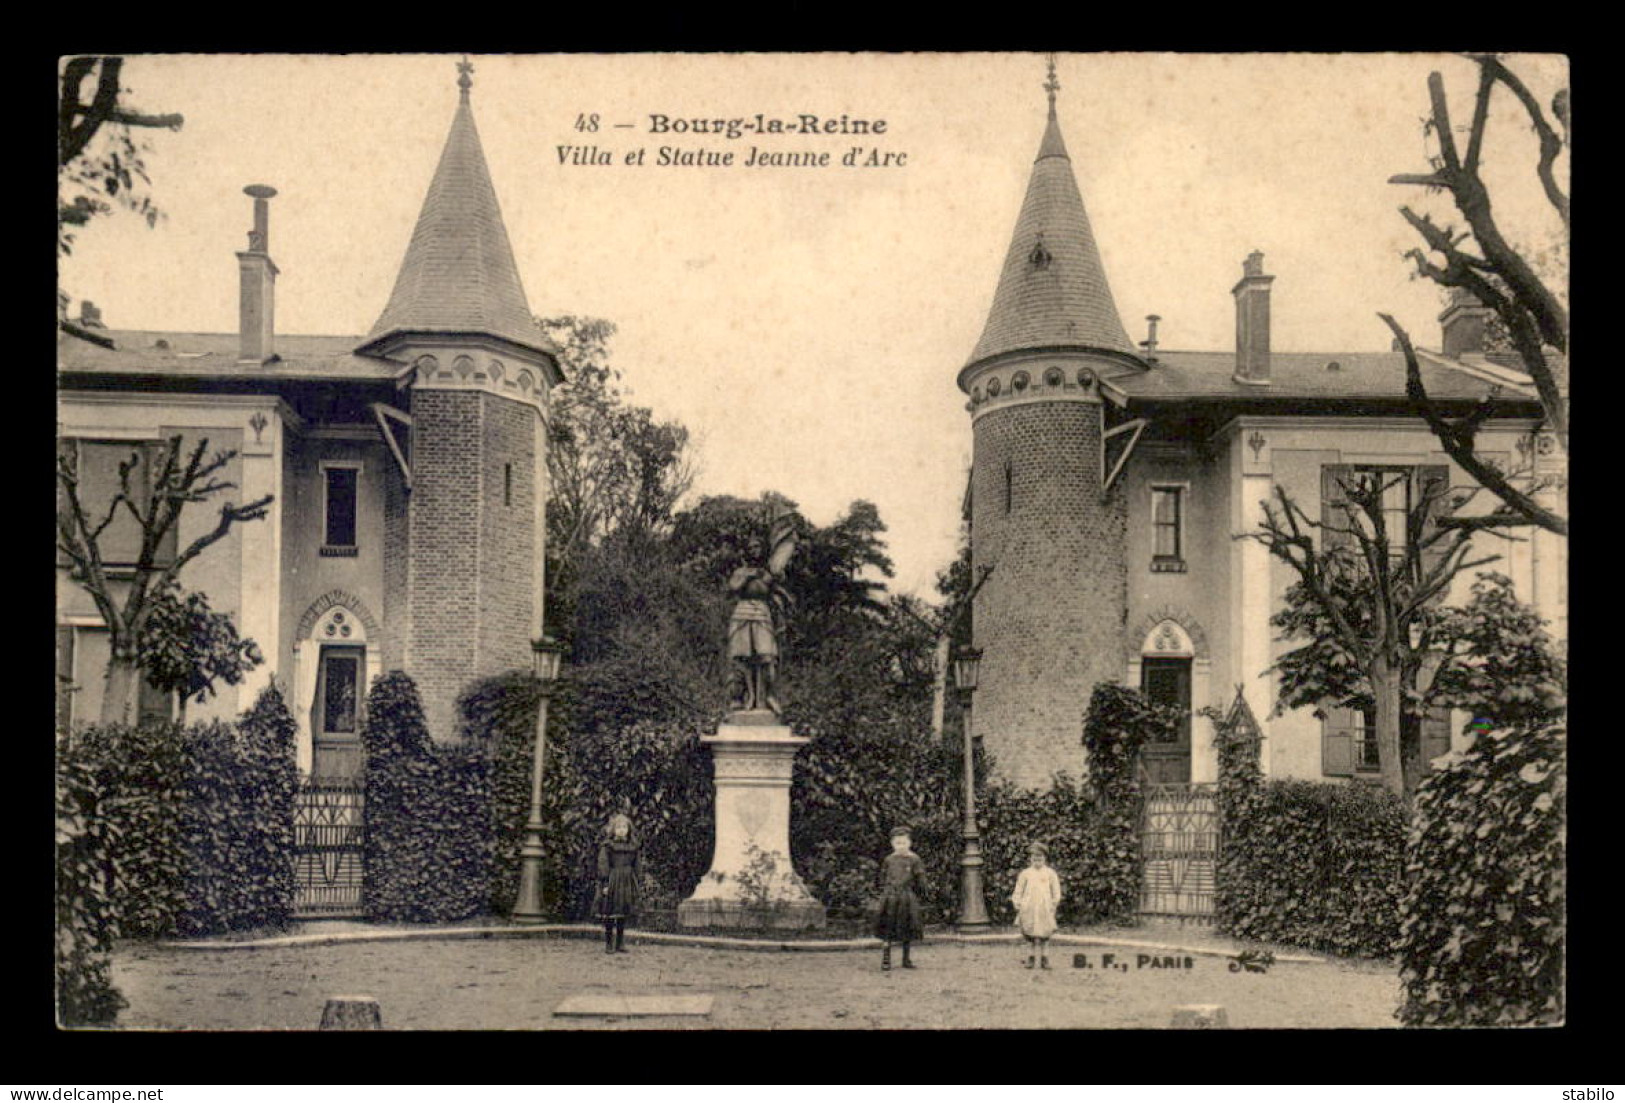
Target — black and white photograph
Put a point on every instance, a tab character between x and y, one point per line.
811	541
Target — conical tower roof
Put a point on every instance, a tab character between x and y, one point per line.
459	274
1053	289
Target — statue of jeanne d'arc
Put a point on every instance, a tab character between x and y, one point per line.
752	640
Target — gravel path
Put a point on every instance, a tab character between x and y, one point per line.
497	984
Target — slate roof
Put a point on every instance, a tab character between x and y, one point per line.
1303	375
459	274
214	356
1062	299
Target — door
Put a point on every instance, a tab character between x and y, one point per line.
336	753
1164	681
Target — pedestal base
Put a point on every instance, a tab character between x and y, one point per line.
751	882
799	915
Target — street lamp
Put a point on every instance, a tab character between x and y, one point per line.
972	902
545	655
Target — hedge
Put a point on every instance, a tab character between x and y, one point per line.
657	772
84	921
427	832
1483	935
192	827
1312	864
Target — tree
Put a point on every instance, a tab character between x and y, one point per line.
612	468
155	503
1527	308
186	646
98	157
1368	600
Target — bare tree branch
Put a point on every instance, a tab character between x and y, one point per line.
1459	445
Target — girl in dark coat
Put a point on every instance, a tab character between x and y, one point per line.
617	881
902	878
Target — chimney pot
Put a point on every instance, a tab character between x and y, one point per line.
1150	342
90	315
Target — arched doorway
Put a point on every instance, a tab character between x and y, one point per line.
335	658
1166	679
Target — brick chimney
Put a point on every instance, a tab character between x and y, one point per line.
1465	321
90	315
256	309
1253	321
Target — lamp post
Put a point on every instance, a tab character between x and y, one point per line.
545	655
972	902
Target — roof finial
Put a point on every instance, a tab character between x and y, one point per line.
1052	86
465	76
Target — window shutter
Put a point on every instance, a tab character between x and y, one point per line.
1337	744
1332	510
67	449
64	676
1435	734
1433	479
165	553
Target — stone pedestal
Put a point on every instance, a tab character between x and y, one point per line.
751	882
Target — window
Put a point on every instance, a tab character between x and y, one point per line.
1167	682
1349	740
507	484
64	677
1167	528
1403	488
82	655
339	505
1009	486
341	680
97	463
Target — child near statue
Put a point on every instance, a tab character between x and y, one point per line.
617	881
902	878
1037	895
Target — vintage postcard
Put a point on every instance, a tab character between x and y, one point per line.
1070	541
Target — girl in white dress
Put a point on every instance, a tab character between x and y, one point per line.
1038	893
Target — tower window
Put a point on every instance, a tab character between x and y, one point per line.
1009	485
507	484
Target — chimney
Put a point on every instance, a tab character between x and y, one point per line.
90	315
1465	321
1253	321
257	302
1150	342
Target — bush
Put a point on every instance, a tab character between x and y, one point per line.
1063	819
1117	725
84	920
192	827
1482	939
427	814
1313	864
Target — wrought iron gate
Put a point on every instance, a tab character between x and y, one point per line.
327	834
1179	841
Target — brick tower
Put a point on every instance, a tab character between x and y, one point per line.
1050	618
463	540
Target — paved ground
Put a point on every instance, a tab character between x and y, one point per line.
496	984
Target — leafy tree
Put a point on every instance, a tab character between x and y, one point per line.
1528	307
99	160
613	469
155	503
1366	599
186	647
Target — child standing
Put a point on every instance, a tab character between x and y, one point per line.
1038	893
902	877
617	881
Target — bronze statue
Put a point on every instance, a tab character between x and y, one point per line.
752	640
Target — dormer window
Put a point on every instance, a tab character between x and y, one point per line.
1040	256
